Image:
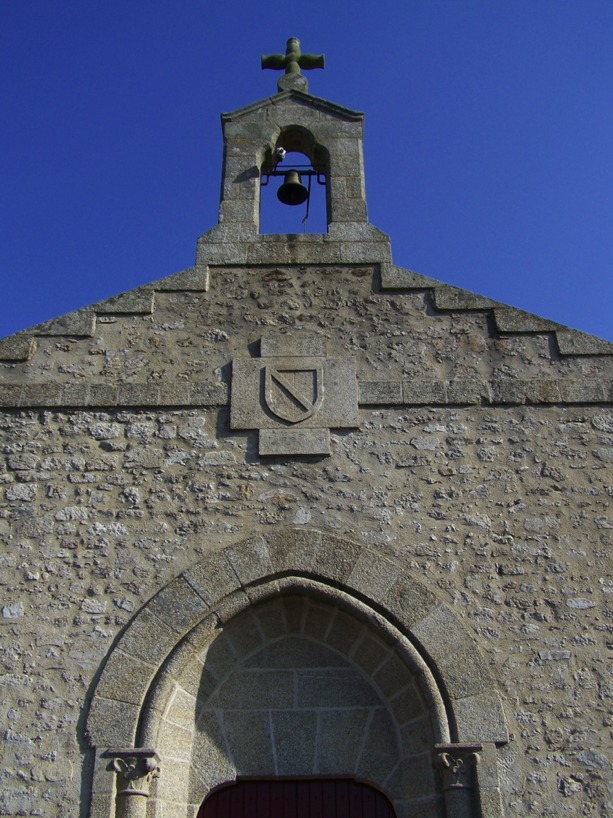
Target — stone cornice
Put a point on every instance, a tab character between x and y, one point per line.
417	392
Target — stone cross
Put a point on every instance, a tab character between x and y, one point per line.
292	61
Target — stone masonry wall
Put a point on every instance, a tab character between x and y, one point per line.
505	513
482	461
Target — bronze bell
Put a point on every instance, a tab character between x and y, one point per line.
292	191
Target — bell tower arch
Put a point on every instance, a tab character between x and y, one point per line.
331	137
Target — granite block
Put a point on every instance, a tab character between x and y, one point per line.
336	558
249	738
410	601
466	391
379	392
125	678
420	392
148	638
339	740
294	550
249	559
193	279
583	390
212	578
447	297
111	723
17	347
133	302
480	719
179	606
294	735
574	342
373	575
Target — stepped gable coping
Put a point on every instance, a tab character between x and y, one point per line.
446	298
507	320
81	323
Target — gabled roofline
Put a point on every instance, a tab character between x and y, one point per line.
325	105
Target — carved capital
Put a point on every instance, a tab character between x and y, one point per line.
456	764
136	768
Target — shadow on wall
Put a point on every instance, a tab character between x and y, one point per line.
297	687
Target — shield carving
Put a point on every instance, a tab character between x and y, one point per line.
293	394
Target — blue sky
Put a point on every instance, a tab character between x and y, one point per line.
487	142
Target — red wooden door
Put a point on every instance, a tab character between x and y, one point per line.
298	798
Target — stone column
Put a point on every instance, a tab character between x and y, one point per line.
456	764
135	768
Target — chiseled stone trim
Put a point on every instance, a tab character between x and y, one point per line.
514	320
186	694
345	243
18	347
222	585
417	392
153	688
135	769
81	323
470	391
574	342
451	298
507	320
76	395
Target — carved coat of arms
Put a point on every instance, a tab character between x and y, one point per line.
294	394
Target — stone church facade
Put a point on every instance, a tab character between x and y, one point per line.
297	514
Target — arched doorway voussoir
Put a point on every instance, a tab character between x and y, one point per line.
226	582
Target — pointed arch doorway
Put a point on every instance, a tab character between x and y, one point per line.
243	668
296	798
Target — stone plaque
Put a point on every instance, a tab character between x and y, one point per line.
294	393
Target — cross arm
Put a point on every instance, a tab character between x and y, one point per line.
274	61
311	61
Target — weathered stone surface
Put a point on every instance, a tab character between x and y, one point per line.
298	550
251	561
372	575
214	579
573	342
148	638
410	601
135	301
471	712
179	606
380	392
420	392
79	322
303	345
192	279
466	390
586	390
441	566
18	347
338	740
125	678
294	441
111	723
525	391
511	319
454	298
398	278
